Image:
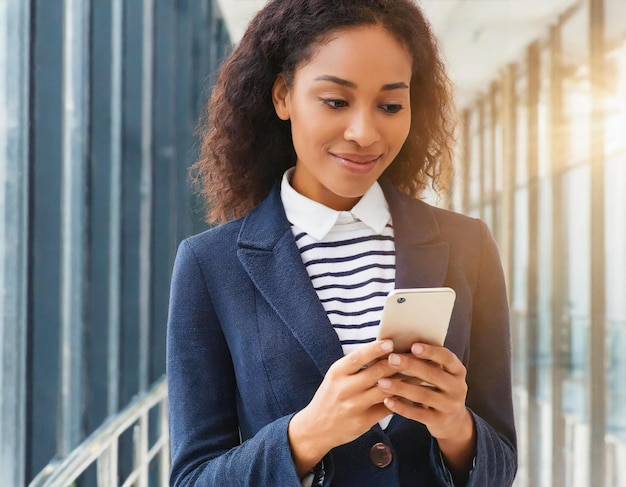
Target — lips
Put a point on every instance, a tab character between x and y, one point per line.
357	164
357	158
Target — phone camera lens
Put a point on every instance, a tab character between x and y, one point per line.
401	300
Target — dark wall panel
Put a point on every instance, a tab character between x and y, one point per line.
165	161
45	228
99	198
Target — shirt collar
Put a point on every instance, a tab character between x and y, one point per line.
318	220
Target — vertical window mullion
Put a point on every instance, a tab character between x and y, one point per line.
509	163
533	65
559	326
481	160
73	220
597	352
146	184
493	117
115	211
466	159
14	174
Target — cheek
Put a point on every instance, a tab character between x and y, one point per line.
311	132
301	133
403	129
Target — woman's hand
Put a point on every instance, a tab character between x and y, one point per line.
439	405
346	405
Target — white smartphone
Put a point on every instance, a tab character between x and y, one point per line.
416	315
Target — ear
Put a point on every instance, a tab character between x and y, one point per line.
280	97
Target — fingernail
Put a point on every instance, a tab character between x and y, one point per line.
386	346
390	403
394	359
384	383
417	349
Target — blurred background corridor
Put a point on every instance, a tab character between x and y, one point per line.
100	102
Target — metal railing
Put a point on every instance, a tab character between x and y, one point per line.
102	447
616	460
577	456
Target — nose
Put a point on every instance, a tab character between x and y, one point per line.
362	128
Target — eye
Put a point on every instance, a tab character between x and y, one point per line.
334	103
392	108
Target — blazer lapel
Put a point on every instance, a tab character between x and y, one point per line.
421	255
269	255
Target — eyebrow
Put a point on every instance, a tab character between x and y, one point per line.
350	84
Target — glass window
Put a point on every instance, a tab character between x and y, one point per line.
497	169
543	128
486	131
544	294
615	240
575	35
615	219
576	258
615	102
577	318
457	188
614	15
498	144
521	146
577	110
520	282
474	165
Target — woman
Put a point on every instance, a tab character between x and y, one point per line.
327	120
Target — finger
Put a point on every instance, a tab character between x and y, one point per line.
363	385
375	370
411	410
363	357
426	371
367	378
409	366
439	355
360	403
377	413
372	396
417	394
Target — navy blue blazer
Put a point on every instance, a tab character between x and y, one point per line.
249	343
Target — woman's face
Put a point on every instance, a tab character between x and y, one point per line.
350	113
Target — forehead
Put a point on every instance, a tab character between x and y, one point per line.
369	51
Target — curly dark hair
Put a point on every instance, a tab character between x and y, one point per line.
245	147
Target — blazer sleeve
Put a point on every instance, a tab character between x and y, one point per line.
489	373
204	431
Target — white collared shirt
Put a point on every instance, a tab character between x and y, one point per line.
317	220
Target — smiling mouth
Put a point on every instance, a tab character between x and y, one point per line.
356	158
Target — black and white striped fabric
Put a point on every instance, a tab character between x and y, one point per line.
350	258
352	269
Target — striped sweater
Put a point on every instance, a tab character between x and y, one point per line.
352	270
